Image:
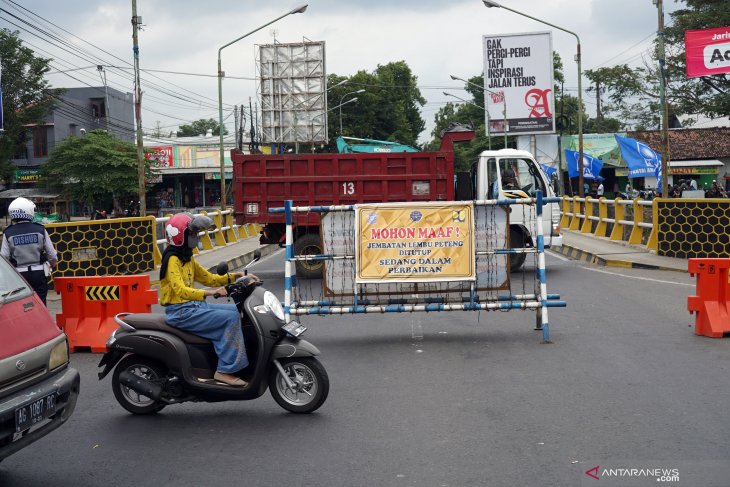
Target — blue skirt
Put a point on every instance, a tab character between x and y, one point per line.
219	323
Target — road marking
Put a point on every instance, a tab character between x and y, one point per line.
554	254
268	257
558	256
635	277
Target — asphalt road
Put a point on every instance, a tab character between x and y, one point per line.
440	399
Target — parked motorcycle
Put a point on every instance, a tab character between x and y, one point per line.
156	365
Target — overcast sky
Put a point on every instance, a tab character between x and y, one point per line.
435	38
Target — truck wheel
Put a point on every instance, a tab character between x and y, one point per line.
516	241
309	244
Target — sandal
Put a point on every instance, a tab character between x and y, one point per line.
230	380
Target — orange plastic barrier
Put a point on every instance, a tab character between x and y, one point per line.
710	305
90	303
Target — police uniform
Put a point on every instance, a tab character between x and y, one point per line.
28	247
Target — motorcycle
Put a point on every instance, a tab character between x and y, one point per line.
156	365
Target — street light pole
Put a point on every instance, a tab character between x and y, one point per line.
221	74
663	101
486	109
142	186
491	3
342	98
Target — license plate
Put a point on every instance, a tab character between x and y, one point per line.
294	329
35	412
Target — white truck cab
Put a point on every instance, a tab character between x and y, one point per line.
510	173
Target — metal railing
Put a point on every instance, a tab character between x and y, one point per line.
226	232
626	219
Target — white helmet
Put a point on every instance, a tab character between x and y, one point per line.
21	209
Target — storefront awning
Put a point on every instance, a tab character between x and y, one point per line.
702	163
28	193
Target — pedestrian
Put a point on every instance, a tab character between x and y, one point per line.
27	246
715	191
599	190
693	184
185	306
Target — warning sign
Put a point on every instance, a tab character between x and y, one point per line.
102	293
415	242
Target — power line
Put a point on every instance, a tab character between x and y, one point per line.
89	57
104	51
624	51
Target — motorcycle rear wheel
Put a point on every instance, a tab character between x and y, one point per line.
133	401
311	385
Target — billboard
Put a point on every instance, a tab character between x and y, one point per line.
518	80
160	157
707	51
292	87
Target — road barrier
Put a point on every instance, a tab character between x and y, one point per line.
676	227
359	281
710	304
226	232
622	228
90	303
103	247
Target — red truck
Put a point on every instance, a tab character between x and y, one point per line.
264	181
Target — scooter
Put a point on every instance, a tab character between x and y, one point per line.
156	365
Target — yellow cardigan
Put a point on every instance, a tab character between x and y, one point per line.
177	286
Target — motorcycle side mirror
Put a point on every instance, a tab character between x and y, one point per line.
256	258
222	269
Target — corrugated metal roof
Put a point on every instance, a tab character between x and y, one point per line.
27	193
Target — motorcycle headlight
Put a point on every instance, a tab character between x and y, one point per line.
272	302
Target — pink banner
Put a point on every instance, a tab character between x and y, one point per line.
708	51
160	157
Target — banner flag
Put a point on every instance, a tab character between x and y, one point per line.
419	242
591	165
549	171
641	160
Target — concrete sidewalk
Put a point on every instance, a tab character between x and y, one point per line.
235	255
602	251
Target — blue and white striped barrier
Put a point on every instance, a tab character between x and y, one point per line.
539	302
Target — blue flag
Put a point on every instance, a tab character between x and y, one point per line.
640	158
549	171
591	165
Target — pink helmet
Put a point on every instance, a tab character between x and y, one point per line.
183	225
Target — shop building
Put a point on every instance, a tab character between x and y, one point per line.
188	172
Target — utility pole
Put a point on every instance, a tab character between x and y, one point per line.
663	101
599	115
136	21
102	74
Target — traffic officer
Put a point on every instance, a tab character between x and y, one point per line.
28	247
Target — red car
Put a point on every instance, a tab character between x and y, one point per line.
38	388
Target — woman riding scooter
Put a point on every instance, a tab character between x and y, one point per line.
185	306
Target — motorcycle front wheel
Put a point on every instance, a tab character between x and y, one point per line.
133	401
311	384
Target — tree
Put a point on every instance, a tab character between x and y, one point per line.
633	93
92	168
200	127
388	109
27	99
